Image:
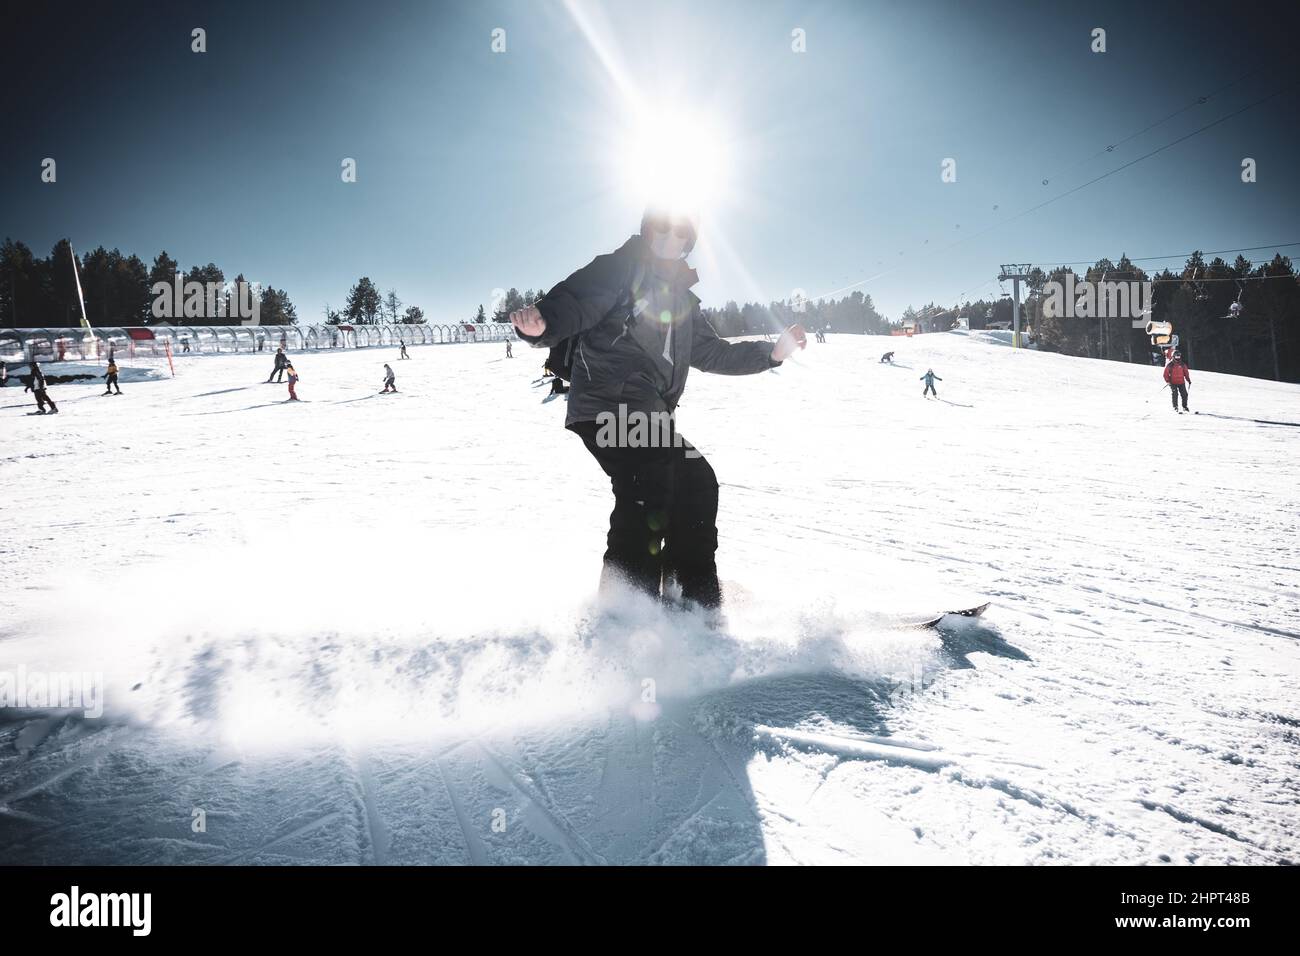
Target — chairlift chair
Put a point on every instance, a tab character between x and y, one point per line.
1235	310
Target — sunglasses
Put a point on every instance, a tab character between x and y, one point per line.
682	228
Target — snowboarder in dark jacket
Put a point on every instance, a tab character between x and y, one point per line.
636	330
1178	376
37	388
281	363
887	358
930	378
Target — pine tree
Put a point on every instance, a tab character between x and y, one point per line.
363	303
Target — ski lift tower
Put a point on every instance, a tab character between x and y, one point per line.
1017	273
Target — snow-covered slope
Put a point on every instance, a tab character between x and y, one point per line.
357	628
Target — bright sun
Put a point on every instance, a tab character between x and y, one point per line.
675	159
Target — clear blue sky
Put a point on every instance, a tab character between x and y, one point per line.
479	170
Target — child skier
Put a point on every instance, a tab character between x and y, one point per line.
637	329
390	382
1178	376
930	379
293	380
110	378
37	388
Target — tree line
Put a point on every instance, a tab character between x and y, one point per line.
1260	337
118	290
365	306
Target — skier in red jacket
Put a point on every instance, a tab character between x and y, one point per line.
1179	376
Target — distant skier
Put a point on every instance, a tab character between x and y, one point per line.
403	352
639	329
930	378
510	349
821	335
555	360
887	358
281	363
390	382
293	380
110	379
185	344
4	375
1178	376
37	388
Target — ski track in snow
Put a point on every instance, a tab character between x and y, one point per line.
359	632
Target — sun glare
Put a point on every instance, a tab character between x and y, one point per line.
675	159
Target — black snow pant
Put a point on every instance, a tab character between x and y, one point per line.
1175	391
664	521
929	390
111	384
277	375
42	399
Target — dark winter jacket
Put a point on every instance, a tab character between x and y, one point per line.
640	330
281	360
1177	373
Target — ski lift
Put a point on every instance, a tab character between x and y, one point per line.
1198	286
1234	310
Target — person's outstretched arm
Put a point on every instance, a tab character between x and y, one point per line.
574	305
711	353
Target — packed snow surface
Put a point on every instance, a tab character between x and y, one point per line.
360	628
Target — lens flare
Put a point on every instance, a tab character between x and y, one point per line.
675	161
